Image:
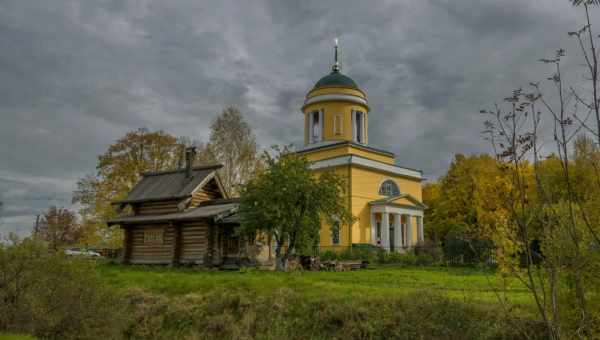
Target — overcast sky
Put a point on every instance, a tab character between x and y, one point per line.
77	75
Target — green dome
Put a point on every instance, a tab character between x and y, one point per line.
336	79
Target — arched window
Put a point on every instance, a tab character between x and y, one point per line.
389	188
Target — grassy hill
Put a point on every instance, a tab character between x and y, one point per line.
384	302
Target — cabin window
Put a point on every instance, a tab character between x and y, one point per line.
335	233
359	126
338	125
316	123
389	188
154	236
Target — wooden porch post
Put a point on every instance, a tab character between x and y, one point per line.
127	241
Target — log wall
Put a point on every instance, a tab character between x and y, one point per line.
194	243
156	208
151	253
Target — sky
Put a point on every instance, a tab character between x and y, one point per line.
77	75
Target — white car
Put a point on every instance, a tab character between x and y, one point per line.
81	252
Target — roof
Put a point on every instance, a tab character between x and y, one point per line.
330	143
217	209
392	201
335	78
155	186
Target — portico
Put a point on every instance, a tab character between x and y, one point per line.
396	227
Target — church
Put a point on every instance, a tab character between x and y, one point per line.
385	198
185	217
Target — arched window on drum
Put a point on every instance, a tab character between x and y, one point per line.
389	188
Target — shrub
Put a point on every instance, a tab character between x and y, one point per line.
358	252
329	255
287	314
425	259
459	249
51	296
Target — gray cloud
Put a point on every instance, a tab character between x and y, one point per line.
76	75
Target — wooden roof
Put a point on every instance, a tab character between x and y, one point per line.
217	209
166	185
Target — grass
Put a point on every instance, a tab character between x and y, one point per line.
457	283
386	302
12	336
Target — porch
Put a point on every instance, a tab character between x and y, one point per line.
396	228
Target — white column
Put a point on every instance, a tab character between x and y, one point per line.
421	235
397	231
385	230
353	125
363	127
310	128
366	129
373	229
409	231
321	124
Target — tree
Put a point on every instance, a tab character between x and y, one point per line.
233	145
559	209
288	203
118	170
58	227
585	2
464	196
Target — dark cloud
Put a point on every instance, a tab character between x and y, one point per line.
76	75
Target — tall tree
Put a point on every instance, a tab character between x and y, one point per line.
118	170
558	210
233	144
464	197
287	203
58	227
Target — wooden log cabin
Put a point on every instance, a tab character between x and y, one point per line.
185	217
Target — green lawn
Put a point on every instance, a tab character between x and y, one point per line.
459	283
377	303
11	336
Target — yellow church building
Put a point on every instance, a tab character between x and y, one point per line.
385	198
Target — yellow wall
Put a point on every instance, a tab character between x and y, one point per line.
330	110
325	234
342	150
365	187
333	89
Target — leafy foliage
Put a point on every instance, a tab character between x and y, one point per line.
53	297
118	170
58	227
232	144
288	203
467	196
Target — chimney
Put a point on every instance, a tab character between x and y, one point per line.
190	154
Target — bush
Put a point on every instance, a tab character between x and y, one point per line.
461	250
287	314
425	259
358	252
51	296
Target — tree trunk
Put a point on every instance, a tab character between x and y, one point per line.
279	260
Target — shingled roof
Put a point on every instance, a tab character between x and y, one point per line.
222	210
165	185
